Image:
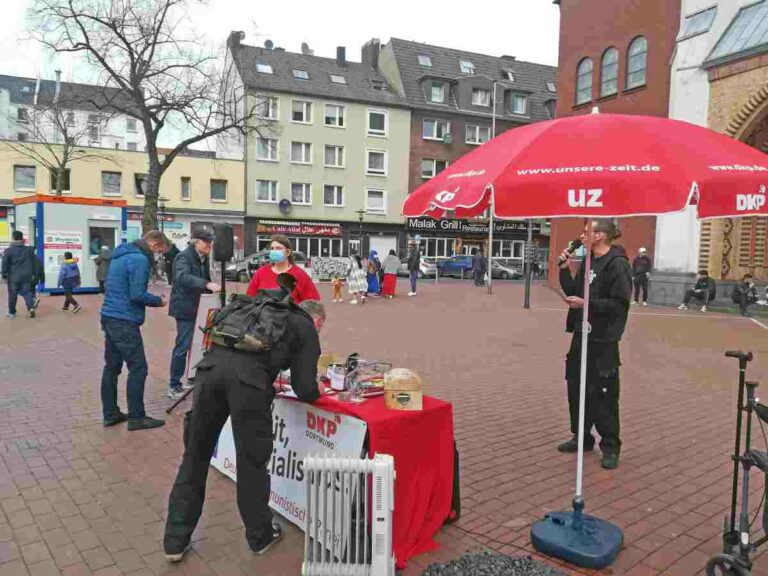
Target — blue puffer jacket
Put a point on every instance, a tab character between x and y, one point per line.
126	286
69	275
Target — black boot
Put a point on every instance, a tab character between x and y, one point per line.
610	460
571	446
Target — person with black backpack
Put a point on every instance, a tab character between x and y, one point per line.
254	339
22	270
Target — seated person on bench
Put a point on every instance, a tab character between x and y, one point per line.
704	290
744	294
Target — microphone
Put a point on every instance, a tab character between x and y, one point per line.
575	244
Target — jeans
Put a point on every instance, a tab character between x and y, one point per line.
23	289
479	277
123	343
413	276
185	329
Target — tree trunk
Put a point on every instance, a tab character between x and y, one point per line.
151	194
59	180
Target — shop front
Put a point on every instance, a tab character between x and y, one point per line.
5	226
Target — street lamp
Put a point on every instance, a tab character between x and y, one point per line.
161	201
360	213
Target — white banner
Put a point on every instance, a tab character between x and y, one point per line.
299	429
55	243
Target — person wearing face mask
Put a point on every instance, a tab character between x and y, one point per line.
122	314
281	259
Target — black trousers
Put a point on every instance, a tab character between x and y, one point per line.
169	273
602	403
702	295
478	276
69	299
221	392
641	283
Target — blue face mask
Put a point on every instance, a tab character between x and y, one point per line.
580	252
276	256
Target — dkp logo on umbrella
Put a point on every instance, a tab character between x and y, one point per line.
746	202
585	198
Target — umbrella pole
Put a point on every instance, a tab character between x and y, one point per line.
490	246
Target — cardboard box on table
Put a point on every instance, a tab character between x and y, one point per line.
402	390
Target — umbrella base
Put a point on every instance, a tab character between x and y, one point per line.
577	538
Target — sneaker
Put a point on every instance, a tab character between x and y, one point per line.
77	309
144	423
645	303
682	307
175	393
9	315
176	556
571	446
65	309
635	302
269	539
703	308
610	461
353	301
189	384
746	314
411	293
31	313
118	418
36	303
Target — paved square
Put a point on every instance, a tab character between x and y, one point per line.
76	498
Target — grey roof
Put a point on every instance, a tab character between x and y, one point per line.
360	78
73	96
529	77
747	34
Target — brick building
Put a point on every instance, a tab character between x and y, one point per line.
614	55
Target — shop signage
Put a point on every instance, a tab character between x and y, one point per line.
298	227
55	244
3	212
469	226
139	216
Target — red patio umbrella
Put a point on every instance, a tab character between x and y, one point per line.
597	165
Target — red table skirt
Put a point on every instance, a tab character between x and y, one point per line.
422	446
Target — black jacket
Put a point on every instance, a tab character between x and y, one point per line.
707	284
609	295
190	277
414	260
299	351
641	265
479	263
21	264
743	289
170	256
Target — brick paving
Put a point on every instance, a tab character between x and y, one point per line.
76	498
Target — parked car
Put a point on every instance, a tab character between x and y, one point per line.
238	271
242	270
458	266
427	267
504	272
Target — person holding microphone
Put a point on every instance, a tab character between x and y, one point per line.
610	294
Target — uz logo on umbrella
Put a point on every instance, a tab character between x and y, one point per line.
582	198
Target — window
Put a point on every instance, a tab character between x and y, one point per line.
93	128
637	62
333	195
431	167
24	178
437	92
64	179
21	136
266	191
481	97
264	68
301	111
519	104
266	149
551	107
301	153
338	79
375	201
377	123
747	30
301	193
139	185
130	124
111	183
334	115
584	81
436	129
22	115
301	74
508	75
477	134
697	23
70	119
438	247
266	107
186	188
609	73
425	60
334	156
466	67
131	146
377	162
551	87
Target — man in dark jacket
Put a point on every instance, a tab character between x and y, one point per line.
237	384
191	270
641	271
479	266
22	270
122	314
102	266
704	290
744	294
609	295
169	257
414	266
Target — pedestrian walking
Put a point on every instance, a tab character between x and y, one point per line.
414	267
102	262
391	266
192	278
22	270
122	315
357	284
372	276
479	266
641	272
69	279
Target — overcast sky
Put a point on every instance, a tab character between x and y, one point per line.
527	29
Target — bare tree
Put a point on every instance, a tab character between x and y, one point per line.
163	74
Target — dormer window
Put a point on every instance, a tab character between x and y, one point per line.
377	84
437	92
301	74
481	97
551	87
425	60
264	68
466	67
508	75
338	79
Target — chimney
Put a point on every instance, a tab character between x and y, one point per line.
370	53
341	56
57	93
37	89
306	50
234	39
508	57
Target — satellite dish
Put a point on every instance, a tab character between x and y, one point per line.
269	44
448	138
285	206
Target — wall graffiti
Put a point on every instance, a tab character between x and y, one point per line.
324	268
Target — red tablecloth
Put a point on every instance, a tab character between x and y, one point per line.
422	446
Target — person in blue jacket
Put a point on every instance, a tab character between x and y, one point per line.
122	314
69	279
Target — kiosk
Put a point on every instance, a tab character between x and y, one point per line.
58	224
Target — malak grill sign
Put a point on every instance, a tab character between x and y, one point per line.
468	226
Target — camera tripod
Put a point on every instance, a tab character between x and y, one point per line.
737	545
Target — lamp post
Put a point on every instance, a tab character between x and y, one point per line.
360	213
161	201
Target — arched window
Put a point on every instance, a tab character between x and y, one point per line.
584	81
637	62
609	73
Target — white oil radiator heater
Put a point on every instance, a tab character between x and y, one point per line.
349	516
